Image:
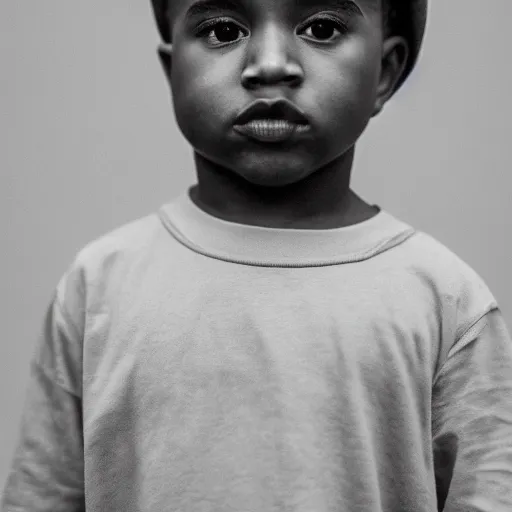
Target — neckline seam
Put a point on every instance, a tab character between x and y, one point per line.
357	256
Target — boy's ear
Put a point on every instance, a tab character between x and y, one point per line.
395	53
165	54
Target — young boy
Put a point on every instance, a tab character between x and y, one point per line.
269	341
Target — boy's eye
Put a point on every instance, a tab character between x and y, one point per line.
221	32
322	28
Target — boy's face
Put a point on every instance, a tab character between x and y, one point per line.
326	57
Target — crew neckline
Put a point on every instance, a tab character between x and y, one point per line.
286	247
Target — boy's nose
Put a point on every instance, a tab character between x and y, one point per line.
272	59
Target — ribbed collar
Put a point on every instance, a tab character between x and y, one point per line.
279	247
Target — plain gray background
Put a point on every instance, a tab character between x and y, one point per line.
89	142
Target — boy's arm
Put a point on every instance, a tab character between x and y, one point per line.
47	472
472	420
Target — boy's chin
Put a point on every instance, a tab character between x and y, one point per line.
273	179
268	172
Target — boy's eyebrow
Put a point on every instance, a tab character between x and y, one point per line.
348	6
208	6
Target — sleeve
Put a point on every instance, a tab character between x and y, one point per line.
472	420
46	472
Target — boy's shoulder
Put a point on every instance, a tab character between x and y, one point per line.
127	239
114	251
422	256
430	253
448	275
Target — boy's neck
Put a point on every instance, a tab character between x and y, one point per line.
323	200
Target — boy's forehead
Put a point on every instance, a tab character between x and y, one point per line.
190	8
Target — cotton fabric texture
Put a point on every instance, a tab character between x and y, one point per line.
193	364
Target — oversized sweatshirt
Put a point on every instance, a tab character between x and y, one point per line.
191	364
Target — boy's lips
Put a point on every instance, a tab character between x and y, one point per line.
271	130
280	108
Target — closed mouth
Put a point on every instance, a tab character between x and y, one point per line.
272	110
271	130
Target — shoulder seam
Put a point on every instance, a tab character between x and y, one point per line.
67	317
461	342
55	380
474	321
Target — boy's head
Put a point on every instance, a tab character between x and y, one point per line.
337	61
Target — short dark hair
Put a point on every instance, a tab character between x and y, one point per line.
389	17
